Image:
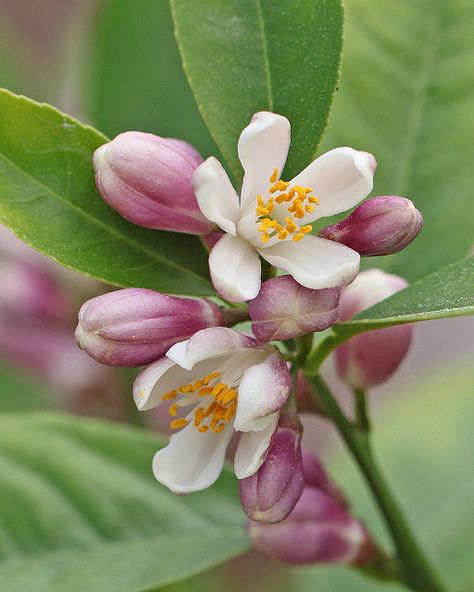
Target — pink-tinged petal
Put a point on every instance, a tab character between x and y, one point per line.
216	197
209	344
263	147
252	448
263	390
314	262
340	179
235	269
192	460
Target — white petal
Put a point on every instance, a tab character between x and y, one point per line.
263	147
340	179
192	460
208	344
251	449
216	197
263	390
235	269
315	262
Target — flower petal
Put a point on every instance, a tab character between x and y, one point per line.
192	460
251	449
263	147
235	269
208	344
263	390
315	262
216	197
340	179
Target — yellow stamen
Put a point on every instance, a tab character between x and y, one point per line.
178	423
298	237
206	390
309	209
173	409
203	428
210	377
313	200
166	397
306	229
274	176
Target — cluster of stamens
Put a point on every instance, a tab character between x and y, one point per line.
212	417
300	202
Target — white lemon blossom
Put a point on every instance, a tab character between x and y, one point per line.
219	381
273	217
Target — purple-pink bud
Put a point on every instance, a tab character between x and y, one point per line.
284	309
136	326
372	357
272	492
318	530
380	226
315	476
148	180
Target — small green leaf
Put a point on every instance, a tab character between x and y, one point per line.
445	293
244	56
135	79
405	96
48	198
81	510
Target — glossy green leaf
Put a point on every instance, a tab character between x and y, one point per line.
48	198
406	95
81	510
445	293
244	56
135	79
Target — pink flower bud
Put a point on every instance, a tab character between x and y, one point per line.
315	476
148	180
372	357
283	309
379	226
136	326
271	493
318	530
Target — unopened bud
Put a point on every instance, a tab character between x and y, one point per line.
284	309
318	530
136	326
148	180
372	357
316	476
379	226
272	492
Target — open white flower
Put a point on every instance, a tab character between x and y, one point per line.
273	218
220	381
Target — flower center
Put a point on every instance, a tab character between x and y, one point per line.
299	203
212	417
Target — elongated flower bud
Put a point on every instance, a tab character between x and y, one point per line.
318	530
284	309
271	493
136	326
380	226
148	180
372	357
315	476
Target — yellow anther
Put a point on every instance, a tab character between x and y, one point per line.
260	201
178	423
309	209
290	225
229	414
282	197
206	390
306	229
283	234
203	428
166	397
298	237
173	409
274	188
210	377
265	238
218	428
218	388
185	389
299	214
308	190
212	407
262	211
270	205
198	416
313	200
274	176
230	395
282	185
198	384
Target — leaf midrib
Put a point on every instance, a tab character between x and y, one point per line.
266	62
111	230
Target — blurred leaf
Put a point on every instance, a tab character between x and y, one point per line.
136	80
48	198
445	293
81	510
21	393
405	96
244	56
13	69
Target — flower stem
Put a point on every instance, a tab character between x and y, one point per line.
362	422
416	570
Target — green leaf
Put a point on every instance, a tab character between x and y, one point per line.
246	56
81	510
135	79
445	293
21	393
405	96
48	198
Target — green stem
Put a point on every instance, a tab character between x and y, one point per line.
362	422
417	572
